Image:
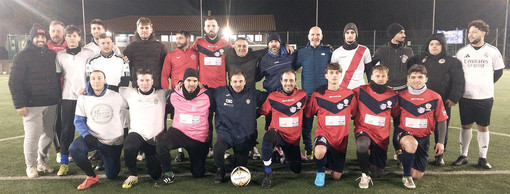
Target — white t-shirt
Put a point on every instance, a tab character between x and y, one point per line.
96	49
103	116
73	69
344	58
479	66
147	112
114	67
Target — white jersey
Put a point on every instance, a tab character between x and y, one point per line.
96	49
103	116
72	68
479	66
113	66
147	112
344	58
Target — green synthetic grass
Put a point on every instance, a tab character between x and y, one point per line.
12	161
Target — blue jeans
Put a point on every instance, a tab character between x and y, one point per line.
111	155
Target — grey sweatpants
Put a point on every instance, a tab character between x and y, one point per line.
39	126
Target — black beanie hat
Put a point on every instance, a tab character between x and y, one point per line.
190	72
274	36
351	26
394	29
37	30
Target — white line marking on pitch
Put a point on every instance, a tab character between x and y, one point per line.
495	133
9	138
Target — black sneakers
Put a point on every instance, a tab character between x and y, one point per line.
460	161
220	176
482	162
439	160
266	183
165	180
179	157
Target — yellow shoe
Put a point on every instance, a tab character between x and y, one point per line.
129	182
64	168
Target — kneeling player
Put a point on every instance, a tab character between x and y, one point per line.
377	104
420	109
190	128
286	106
333	106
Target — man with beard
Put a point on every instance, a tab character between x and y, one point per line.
34	89
96	29
376	105
71	63
354	58
145	52
445	77
212	50
313	58
191	106
176	62
286	104
483	66
57	44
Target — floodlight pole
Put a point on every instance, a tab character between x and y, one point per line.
506	27
201	20
433	16
317	13
84	28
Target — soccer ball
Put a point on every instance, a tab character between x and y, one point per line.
240	176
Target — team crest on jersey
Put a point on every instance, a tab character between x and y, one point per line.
346	101
298	104
441	61
428	106
217	53
486	54
248	101
404	58
193	57
222	51
382	106
421	110
155	101
389	103
340	106
199	102
292	109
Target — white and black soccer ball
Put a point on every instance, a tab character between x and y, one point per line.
240	176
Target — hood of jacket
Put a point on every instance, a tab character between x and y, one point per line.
439	37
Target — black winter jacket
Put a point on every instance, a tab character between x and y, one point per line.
396	59
33	80
146	54
247	64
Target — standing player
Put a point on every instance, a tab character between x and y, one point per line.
420	110
483	66
286	106
333	106
377	104
353	58
96	29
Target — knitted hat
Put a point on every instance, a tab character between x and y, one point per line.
190	72
351	26
37	30
274	36
394	29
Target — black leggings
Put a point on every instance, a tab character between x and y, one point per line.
133	143
68	130
240	157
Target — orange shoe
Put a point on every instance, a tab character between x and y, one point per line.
89	181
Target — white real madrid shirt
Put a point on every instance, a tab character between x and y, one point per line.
479	66
113	66
344	58
103	116
72	68
146	111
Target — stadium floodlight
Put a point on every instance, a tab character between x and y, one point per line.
227	33
108	33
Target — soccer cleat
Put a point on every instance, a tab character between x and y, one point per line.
140	156
439	161
44	167
180	157
89	181
320	179
266	183
482	162
32	172
220	175
130	181
165	180
58	157
256	154
399	163
62	171
460	161
365	181
210	154
408	182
